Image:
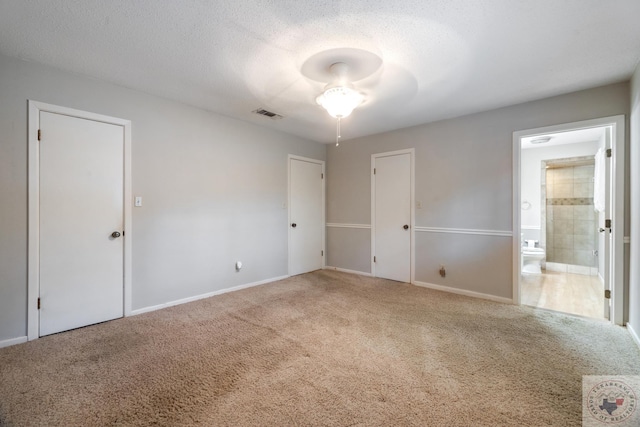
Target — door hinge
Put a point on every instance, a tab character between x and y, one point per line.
38	303
607	293
39	134
607	223
608	152
374	259
321	253
321	176
374	171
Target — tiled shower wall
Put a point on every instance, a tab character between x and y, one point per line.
571	233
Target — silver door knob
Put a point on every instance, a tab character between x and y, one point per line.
115	234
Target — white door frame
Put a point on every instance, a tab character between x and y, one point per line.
617	124
33	273
411	152
324	207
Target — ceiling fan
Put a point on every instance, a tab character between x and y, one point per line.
340	68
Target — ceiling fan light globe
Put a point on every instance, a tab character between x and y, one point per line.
340	101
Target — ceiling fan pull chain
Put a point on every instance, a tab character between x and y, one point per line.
338	133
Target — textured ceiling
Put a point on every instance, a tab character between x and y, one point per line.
441	58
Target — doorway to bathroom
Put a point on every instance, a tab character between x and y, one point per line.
568	197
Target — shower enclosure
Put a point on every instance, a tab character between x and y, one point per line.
569	222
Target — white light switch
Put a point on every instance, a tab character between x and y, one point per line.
138	201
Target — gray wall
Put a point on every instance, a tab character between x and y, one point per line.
634	273
213	190
463	180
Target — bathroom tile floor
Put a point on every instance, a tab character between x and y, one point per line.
569	293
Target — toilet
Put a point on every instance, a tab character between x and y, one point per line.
532	258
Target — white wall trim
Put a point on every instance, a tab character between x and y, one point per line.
33	275
13	341
531	227
202	296
464	292
344	270
501	233
633	333
617	124
341	225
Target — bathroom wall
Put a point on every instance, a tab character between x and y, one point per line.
531	179
571	233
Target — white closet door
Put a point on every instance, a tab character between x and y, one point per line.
306	226
81	205
392	212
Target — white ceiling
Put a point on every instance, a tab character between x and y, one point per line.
561	138
441	58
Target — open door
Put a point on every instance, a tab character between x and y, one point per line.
610	221
603	166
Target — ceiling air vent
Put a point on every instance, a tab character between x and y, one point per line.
266	113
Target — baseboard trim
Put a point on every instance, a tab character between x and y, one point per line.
633	333
207	295
344	270
464	292
13	341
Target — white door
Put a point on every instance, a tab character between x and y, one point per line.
606	231
392	216
81	205
306	215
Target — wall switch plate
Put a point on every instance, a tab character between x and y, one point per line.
138	201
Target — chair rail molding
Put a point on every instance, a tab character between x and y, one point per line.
499	233
343	225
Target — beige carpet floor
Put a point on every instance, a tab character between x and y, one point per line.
324	348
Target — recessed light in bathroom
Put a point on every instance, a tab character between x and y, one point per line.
541	140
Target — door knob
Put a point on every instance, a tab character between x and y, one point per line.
115	234
406	227
602	230
294	225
